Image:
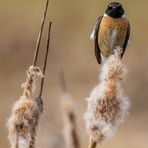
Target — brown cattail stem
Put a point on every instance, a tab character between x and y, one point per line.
40	34
17	140
92	144
45	61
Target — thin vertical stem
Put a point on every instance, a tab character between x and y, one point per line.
92	144
40	34
62	81
46	57
17	140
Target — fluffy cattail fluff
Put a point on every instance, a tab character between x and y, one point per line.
107	106
69	121
25	114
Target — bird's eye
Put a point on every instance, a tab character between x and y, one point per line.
119	7
109	7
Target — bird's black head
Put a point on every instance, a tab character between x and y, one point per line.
115	10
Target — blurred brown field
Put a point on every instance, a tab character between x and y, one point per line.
72	50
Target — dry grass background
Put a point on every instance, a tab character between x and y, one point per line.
71	49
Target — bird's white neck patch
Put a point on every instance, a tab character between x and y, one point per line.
105	15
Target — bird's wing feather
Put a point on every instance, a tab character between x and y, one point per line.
94	36
126	40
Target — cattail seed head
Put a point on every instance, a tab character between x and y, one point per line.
107	106
25	114
23	121
113	68
33	73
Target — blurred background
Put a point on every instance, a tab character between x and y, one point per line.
71	49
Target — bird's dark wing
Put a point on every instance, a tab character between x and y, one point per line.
126	40
95	38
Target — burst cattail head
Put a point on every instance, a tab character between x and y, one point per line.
107	106
113	68
33	73
23	122
25	114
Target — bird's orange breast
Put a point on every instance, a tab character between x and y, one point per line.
112	33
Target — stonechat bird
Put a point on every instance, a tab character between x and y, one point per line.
111	30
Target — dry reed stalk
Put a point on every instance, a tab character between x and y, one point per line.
68	116
107	107
26	111
39	98
24	120
46	57
40	34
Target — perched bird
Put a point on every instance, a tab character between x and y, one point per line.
112	29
